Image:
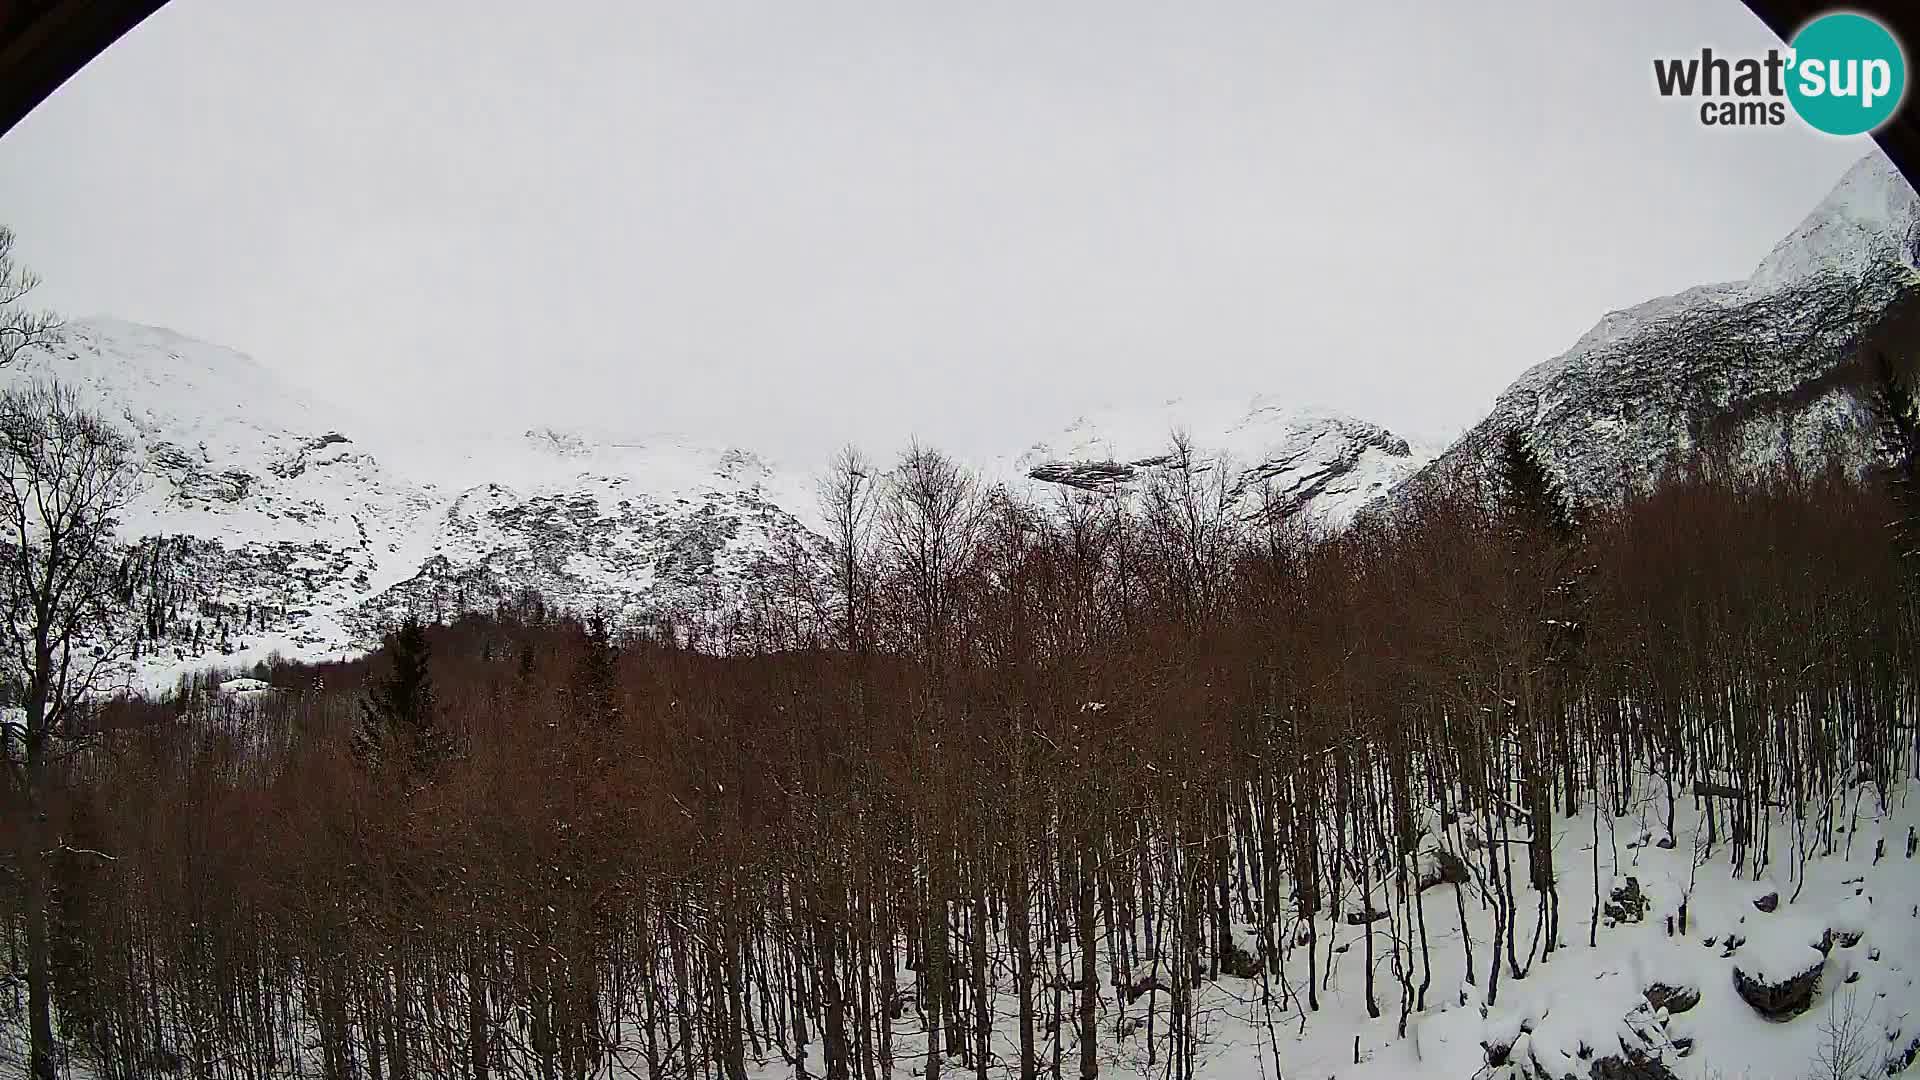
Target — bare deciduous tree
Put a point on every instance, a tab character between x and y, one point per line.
1845	1043
20	327
847	501
67	475
928	527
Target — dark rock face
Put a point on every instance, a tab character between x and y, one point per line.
290	466
589	553
193	478
1630	1067
1845	939
1239	963
1784	999
1641	1052
1901	1060
1087	475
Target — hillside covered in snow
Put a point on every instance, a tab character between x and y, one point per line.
1754	372
268	523
264	522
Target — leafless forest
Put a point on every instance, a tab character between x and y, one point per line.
1041	769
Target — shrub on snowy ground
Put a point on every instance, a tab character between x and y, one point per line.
1846	1045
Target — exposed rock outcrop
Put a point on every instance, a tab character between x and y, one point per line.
1780	983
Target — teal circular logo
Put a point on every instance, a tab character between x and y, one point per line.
1848	74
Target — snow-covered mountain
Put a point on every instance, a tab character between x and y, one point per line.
270	522
1759	370
1315	464
267	522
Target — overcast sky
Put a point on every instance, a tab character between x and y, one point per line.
786	225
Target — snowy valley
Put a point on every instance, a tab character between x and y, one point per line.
1459	793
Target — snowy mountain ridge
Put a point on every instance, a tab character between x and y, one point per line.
269	522
1759	370
265	522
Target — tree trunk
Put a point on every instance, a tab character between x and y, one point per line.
1020	938
33	872
476	1009
1089	975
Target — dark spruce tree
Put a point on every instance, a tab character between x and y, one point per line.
1898	421
1545	531
595	688
399	725
1532	497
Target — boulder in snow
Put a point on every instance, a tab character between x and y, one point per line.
1631	1067
1627	903
1438	866
1674	999
1778	977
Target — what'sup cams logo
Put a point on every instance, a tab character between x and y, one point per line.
1843	74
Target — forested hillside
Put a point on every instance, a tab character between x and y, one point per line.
1132	785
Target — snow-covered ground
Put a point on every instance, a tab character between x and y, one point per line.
1584	1003
1645	991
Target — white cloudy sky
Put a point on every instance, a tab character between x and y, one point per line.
787	225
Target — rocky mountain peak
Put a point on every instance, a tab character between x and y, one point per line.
1756	371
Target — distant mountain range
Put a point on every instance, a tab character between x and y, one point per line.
265	523
268	523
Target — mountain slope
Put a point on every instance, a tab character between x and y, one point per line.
264	522
1759	370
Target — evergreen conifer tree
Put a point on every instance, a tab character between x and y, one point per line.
1532	496
1898	420
398	720
595	678
1545	531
